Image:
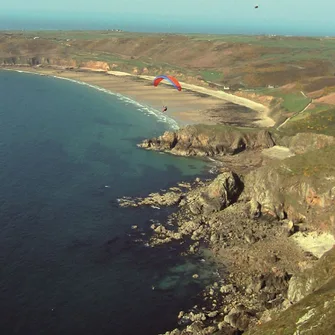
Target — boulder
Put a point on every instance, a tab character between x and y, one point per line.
220	193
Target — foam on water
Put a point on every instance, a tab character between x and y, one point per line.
146	109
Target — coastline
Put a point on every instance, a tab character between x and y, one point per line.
174	123
238	289
193	105
141	106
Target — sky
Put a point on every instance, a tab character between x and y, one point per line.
299	15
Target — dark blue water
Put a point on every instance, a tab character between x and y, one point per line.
67	258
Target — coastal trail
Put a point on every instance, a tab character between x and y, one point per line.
294	115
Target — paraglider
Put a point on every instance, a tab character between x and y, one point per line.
171	79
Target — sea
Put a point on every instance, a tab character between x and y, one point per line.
251	23
70	262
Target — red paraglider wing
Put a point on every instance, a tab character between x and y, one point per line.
173	81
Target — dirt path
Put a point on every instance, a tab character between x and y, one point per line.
288	119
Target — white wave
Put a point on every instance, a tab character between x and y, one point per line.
145	109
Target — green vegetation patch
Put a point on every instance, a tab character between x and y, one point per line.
221	129
295	102
320	120
212	76
286	102
314	163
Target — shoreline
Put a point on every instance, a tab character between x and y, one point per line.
84	78
193	105
250	282
212	165
156	113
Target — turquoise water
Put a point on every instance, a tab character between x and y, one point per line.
256	22
68	260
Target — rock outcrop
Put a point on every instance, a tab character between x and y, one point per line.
312	279
95	66
65	62
201	140
303	142
300	188
239	216
173	196
314	310
219	194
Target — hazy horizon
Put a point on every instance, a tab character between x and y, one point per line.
239	17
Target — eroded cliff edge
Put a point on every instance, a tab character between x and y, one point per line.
272	190
210	141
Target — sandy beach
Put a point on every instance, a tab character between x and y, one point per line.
194	104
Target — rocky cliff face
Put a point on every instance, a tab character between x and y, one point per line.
246	219
56	61
95	65
303	142
314	313
312	279
37	60
219	194
300	188
201	140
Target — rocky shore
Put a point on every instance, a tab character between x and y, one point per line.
266	218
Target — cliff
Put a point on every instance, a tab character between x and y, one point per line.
239	215
64	62
315	312
300	188
202	140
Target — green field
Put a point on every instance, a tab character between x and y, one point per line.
76	34
295	102
320	119
213	76
291	102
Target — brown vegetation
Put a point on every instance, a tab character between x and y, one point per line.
254	61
